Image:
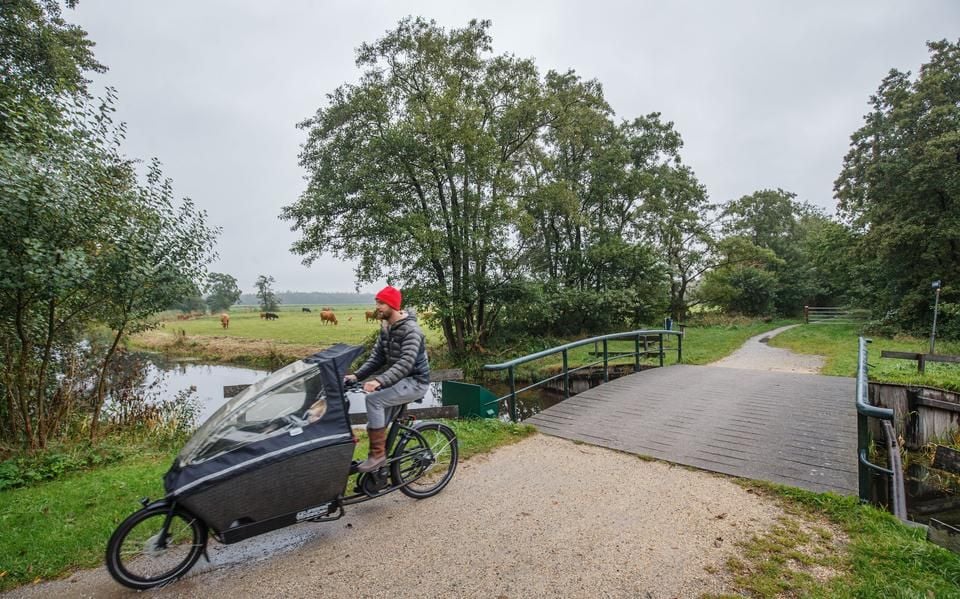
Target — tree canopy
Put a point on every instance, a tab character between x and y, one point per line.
900	188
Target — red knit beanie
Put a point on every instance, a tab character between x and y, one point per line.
390	296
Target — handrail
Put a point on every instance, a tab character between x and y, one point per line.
863	406
866	410
511	365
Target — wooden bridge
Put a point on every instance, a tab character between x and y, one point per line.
790	428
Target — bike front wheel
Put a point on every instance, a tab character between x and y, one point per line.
148	551
425	460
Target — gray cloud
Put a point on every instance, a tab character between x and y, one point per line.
765	94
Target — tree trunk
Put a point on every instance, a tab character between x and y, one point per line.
101	383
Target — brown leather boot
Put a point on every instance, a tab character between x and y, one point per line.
378	450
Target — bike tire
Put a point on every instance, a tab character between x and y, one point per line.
425	460
136	561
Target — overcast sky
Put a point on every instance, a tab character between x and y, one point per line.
764	93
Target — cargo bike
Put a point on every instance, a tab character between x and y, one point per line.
279	453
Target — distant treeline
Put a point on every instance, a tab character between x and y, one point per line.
312	298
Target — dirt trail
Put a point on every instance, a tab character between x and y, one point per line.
756	354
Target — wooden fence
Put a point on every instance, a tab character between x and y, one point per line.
834	315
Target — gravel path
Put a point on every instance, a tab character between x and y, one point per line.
545	517
755	354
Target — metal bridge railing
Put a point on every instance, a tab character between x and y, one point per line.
640	338
864	411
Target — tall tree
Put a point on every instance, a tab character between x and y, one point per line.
222	291
413	171
85	245
900	186
265	295
775	220
677	218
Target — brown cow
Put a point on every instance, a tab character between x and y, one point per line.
328	316
225	320
372	315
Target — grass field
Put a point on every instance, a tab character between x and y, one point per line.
292	326
838	343
255	341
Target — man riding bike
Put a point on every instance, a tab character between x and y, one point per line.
400	358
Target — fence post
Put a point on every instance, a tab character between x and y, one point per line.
606	375
636	354
513	397
566	377
806	315
680	347
661	350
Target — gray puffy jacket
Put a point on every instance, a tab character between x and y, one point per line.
401	350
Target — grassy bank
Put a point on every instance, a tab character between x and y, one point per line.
838	344
52	528
864	552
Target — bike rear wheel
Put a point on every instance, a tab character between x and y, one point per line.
140	556
424	461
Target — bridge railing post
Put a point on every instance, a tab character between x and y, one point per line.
513	396
863	445
680	347
606	373
566	376
636	354
661	350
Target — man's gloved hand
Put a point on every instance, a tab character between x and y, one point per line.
350	379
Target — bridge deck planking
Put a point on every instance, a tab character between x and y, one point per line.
791	428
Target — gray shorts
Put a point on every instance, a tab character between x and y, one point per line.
405	391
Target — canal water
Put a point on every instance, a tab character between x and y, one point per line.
929	492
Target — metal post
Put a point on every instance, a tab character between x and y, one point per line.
936	304
636	354
680	347
606	375
566	377
513	397
863	443
661	350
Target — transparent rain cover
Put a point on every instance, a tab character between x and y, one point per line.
283	403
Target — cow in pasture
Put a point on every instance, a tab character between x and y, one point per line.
328	316
263	315
305	309
225	320
270	316
371	316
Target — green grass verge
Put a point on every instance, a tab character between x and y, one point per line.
52	528
838	343
879	558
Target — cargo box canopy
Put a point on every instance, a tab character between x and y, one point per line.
298	406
